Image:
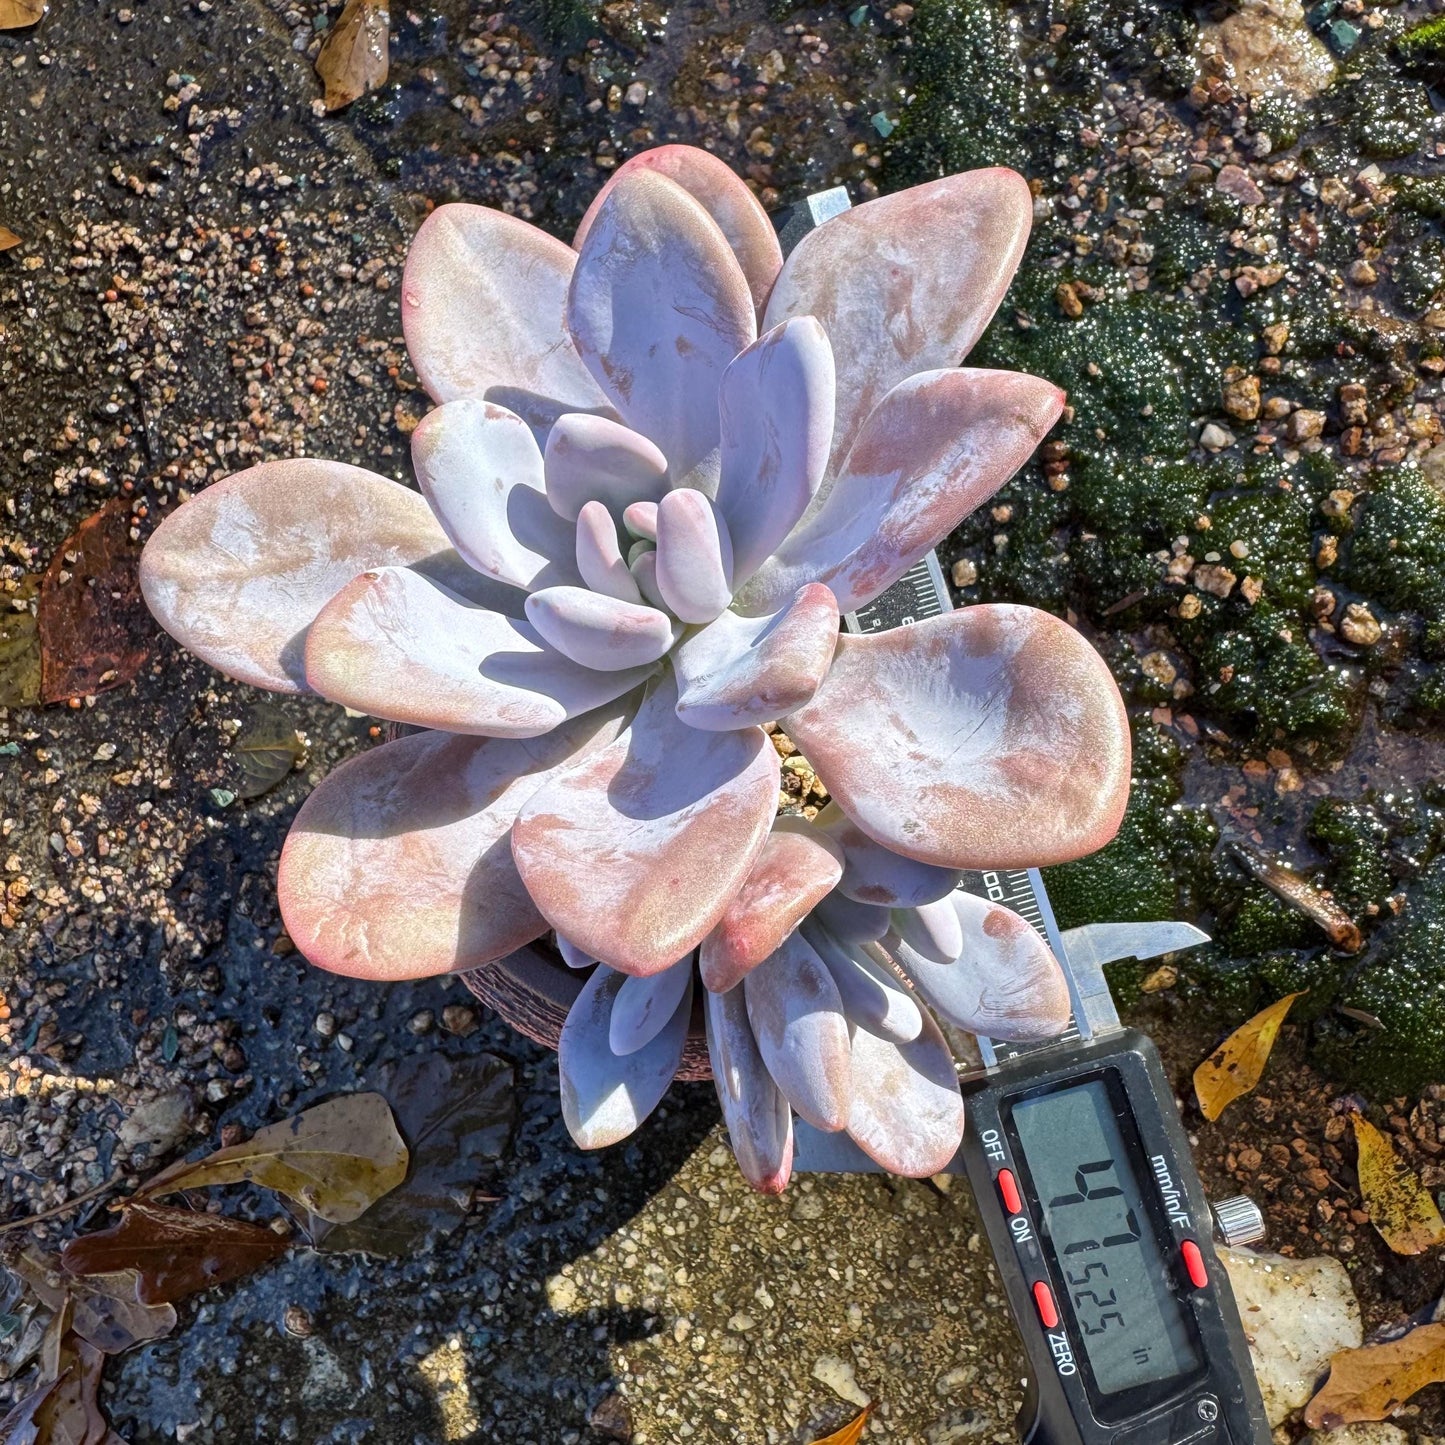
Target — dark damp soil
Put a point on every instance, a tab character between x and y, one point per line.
1243	507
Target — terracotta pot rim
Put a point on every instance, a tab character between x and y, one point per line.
532	989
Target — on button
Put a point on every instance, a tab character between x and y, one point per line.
1044	1303
1009	1190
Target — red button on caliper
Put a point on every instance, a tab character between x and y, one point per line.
1044	1302
1009	1191
1194	1263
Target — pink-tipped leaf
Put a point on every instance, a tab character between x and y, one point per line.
742	670
398	864
794	872
400	646
776	409
995	738
592	458
635	853
482	299
797	1018
657	309
1005	983
936	447
598	631
479	467
905	283
694	556
605	1096
758	1118
723	195
237	573
599	557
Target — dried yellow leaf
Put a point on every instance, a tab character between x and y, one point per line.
1235	1067
8	239
851	1433
354	59
1371	1383
1399	1206
17	14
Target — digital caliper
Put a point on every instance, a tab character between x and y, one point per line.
1082	1172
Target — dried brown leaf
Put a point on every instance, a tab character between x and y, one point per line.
1236	1066
17	14
95	630
72	1414
19	646
22	1426
173	1251
354	59
1399	1206
851	1433
335	1159
106	1310
8	239
455	1115
1371	1383
1341	930
266	749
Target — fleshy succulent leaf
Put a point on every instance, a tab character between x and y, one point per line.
875	874
852	922
397	645
1005	984
996	738
694	556
237	574
591	458
598	631
644	572
398	864
794	872
907	1112
635	853
643	1006
573	956
872	998
797	1018
723	195
599	557
742	670
776	411
605	1096
758	1118
479	467
657	309
936	447
931	930
905	283
482	299
640	519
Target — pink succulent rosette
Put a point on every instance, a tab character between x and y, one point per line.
660	465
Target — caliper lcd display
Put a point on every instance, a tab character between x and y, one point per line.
1094	1216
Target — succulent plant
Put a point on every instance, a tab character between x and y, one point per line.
660	465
